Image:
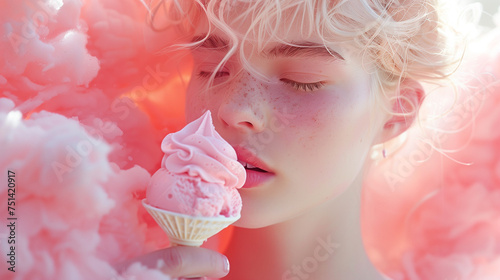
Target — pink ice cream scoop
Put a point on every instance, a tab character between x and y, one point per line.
199	174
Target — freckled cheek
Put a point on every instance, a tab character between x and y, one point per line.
309	111
242	90
327	117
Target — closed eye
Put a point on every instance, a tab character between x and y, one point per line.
207	74
304	86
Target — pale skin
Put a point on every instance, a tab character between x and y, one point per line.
313	125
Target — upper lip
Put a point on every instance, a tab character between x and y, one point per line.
246	156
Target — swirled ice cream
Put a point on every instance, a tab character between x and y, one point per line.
199	174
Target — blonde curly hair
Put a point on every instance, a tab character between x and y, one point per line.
394	39
404	38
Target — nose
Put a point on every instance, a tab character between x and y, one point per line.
244	104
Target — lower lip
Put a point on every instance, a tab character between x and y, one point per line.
256	178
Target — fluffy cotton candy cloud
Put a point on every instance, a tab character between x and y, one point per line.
80	151
454	233
77	58
43	44
78	213
59	218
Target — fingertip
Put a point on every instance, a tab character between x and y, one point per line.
222	265
219	265
226	265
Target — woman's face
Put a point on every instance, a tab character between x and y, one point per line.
309	127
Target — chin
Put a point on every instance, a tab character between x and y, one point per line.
242	223
253	221
257	219
259	215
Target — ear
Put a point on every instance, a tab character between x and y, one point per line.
405	108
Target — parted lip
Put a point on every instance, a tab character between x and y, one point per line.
246	156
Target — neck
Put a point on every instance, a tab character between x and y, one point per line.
323	243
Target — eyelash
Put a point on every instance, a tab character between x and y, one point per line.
304	86
204	74
307	87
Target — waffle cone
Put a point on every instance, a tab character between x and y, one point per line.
187	230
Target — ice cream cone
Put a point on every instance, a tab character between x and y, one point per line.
187	230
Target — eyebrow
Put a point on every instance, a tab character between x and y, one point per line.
302	49
213	42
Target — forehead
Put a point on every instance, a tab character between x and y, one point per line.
267	34
294	49
261	22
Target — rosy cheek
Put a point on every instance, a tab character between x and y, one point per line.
308	110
